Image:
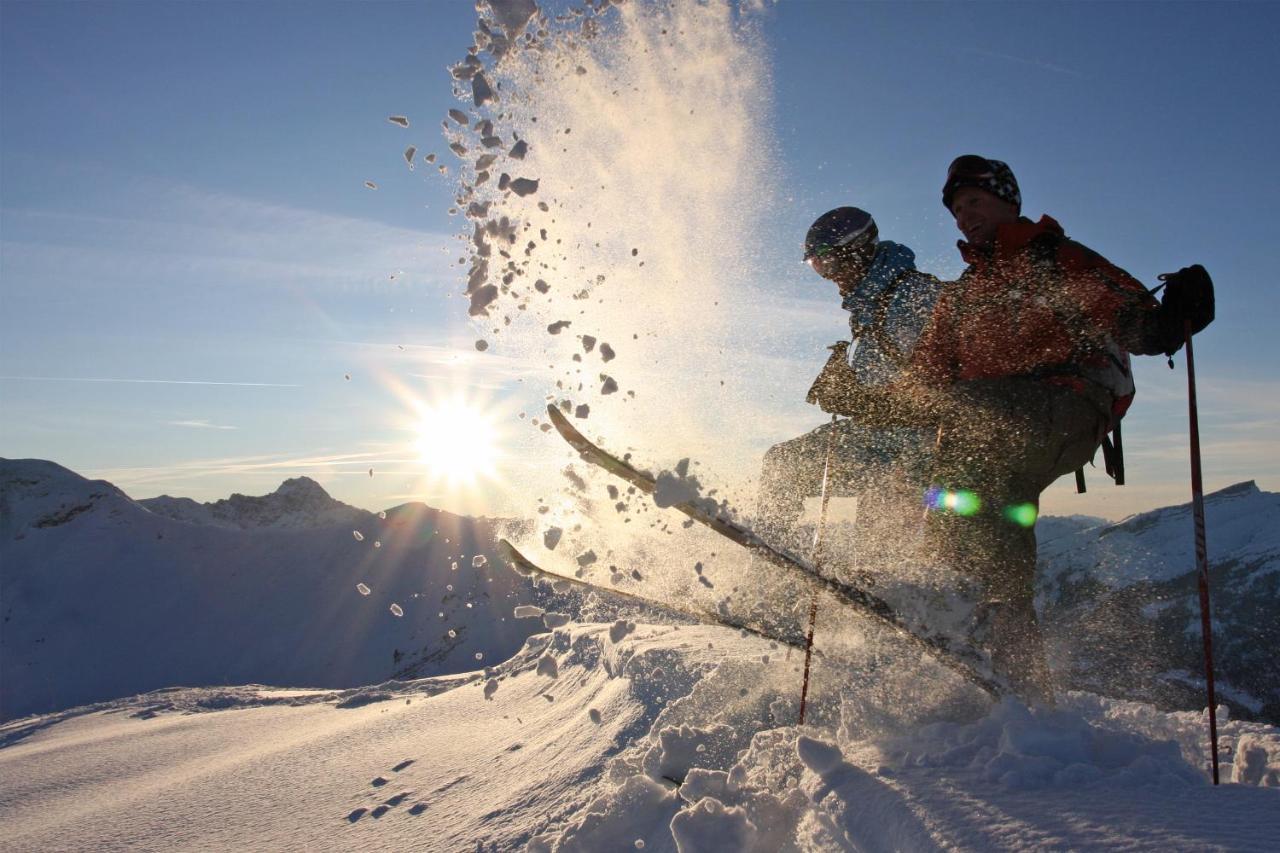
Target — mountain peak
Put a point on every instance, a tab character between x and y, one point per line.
302	487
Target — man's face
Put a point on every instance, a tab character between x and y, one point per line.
846	267
979	213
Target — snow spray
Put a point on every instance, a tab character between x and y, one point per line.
614	175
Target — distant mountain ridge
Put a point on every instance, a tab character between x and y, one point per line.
102	596
1120	603
299	502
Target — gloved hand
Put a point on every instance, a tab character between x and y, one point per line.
1188	296
834	384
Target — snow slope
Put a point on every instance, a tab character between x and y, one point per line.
607	737
103	596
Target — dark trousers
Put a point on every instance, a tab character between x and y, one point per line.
1006	441
874	465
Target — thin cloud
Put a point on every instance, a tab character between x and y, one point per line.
149	381
1023	60
200	424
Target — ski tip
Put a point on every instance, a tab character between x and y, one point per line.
515	559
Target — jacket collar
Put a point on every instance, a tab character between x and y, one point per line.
891	261
1011	238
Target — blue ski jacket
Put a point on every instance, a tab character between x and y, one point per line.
887	312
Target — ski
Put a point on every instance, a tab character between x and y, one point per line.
706	616
860	599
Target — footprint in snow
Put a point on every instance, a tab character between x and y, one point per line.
378	782
398	798
417	809
380	811
402	765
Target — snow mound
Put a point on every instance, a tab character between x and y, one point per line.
670	738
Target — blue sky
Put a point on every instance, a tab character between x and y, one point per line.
182	200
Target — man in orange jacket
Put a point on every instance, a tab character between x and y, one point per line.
1023	367
1029	349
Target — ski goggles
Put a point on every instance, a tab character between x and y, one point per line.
970	167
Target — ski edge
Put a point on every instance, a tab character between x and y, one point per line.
527	567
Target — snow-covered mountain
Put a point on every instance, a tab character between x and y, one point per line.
102	596
1120	603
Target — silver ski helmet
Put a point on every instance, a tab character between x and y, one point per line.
849	228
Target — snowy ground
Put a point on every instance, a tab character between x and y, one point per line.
602	737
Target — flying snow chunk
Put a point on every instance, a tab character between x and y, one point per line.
558	326
371	185
620	629
524	186
396	610
358	535
547	666
555	620
594	715
481	91
586	558
513	15
672	489
400	120
362	589
528	611
490	688
583	411
482	345
460	117
551	538
518	150
479	561
408	154
606	352
609	385
382	514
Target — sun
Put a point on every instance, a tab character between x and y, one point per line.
457	442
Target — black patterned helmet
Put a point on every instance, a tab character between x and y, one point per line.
994	176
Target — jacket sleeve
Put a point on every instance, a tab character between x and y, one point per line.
933	361
1115	302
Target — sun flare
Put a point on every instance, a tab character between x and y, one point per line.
457	442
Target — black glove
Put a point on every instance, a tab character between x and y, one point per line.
834	382
1188	296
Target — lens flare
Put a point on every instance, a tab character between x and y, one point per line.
1023	515
959	501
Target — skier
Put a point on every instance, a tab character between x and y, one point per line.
1024	366
888	301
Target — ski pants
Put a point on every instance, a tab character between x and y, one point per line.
1006	441
864	461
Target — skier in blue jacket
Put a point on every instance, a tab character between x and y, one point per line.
889	302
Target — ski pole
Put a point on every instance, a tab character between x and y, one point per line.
1202	551
817	560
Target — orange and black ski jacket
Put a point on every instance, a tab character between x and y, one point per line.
1036	304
